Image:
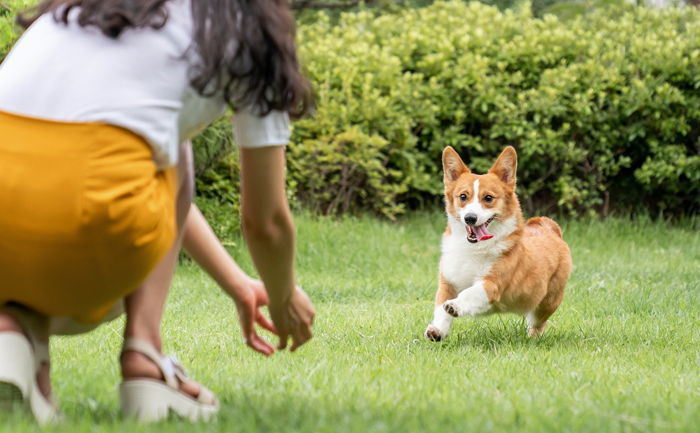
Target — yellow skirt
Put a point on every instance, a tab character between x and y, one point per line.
84	215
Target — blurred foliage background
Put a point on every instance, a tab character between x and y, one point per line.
601	98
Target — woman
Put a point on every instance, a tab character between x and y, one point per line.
95	99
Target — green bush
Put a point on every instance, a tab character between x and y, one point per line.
349	172
217	180
8	30
604	109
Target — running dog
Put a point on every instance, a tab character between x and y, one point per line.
493	261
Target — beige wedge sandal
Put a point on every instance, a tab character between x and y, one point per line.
150	400
21	357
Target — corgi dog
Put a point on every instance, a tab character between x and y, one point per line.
492	261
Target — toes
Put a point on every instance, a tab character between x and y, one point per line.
433	334
190	388
451	309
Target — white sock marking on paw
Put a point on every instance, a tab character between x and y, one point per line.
471	302
441	321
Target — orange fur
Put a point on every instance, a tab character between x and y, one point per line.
446	291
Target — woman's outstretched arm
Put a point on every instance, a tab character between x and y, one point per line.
248	293
269	231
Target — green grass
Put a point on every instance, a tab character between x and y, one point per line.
622	354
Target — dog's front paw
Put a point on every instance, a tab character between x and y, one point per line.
434	334
451	308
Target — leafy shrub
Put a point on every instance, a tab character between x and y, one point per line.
222	218
8	29
349	172
217	178
603	109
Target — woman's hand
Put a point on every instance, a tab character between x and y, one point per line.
293	319
249	299
248	294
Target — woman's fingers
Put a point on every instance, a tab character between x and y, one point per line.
302	336
249	314
260	345
252	339
294	320
264	322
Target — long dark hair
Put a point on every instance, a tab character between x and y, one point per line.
242	48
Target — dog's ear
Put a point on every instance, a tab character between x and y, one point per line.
506	166
452	165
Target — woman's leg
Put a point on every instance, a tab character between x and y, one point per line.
144	307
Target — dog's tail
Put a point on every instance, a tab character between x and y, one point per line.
544	222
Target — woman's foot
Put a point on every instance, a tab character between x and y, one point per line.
155	385
43	377
137	366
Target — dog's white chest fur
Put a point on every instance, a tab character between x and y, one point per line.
463	264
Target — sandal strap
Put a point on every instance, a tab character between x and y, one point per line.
165	364
205	396
178	369
173	372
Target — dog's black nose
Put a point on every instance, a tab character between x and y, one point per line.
470	219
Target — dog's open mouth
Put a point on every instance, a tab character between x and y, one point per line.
479	233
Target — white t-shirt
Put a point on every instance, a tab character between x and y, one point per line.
138	81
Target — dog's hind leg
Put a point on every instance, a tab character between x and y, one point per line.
537	318
535	323
439	328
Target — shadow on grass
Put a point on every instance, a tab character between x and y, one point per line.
508	333
501	333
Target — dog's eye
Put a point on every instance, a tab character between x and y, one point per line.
463	197
488	198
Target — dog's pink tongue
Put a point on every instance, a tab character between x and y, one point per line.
482	233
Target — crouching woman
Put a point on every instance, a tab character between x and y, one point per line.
95	186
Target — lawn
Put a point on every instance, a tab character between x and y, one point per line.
622	354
